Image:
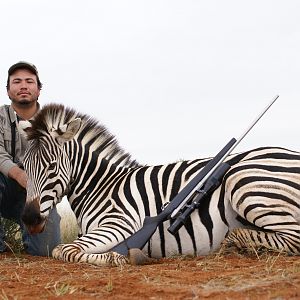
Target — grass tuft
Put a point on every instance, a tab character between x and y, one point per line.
109	286
60	289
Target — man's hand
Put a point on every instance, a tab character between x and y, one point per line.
19	175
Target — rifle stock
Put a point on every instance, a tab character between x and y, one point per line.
140	238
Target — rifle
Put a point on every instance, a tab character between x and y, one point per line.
188	199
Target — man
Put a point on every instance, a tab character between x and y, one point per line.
23	89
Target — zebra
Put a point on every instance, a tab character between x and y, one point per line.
71	154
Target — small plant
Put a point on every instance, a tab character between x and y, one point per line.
60	289
109	287
63	289
271	260
13	235
296	268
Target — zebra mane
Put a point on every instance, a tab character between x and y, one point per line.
52	116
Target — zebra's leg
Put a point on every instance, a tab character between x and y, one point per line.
283	235
74	253
93	248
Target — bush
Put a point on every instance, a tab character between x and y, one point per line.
13	235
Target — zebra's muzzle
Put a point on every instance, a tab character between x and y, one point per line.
36	229
33	219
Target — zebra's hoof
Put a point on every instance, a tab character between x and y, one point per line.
137	257
57	251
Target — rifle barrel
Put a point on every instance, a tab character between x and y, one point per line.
176	211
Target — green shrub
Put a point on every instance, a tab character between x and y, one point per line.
13	235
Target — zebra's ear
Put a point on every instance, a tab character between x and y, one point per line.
24	127
68	131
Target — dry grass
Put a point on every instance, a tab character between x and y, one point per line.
68	224
264	275
228	274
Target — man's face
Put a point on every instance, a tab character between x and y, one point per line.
23	89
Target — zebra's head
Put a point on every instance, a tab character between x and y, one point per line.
47	166
62	143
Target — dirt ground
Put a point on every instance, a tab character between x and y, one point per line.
226	276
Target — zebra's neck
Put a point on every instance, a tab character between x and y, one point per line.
91	172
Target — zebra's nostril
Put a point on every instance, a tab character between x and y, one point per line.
31	215
36	229
32	219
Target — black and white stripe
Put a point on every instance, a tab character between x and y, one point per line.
70	153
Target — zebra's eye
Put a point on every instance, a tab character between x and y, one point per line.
52	166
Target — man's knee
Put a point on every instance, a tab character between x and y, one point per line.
43	243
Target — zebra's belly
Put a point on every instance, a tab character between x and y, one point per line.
197	239
186	244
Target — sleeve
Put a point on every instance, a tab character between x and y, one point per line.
6	162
